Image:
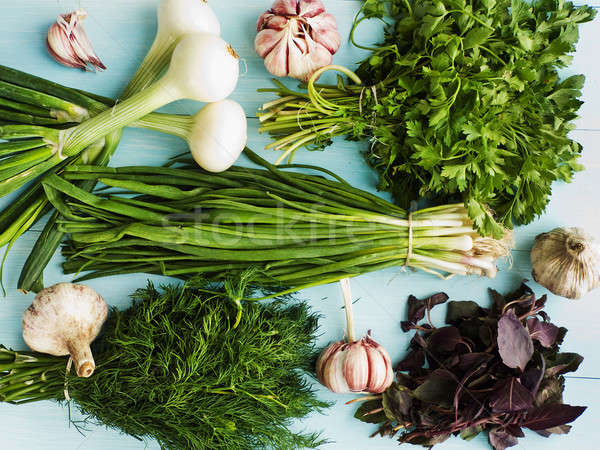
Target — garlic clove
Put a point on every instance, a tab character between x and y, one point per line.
324	357
276	60
285	7
324	31
310	8
64	319
303	62
60	48
566	261
68	43
381	374
356	366
333	372
267	40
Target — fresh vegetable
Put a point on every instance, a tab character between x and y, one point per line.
461	100
496	370
174	368
176	18
64	319
188	77
356	365
216	135
68	44
297	230
566	261
296	37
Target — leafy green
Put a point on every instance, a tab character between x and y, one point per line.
463	101
174	368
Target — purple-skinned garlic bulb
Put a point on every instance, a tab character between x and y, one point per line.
356	365
296	38
64	319
68	44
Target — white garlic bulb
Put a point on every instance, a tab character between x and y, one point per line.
566	261
63	320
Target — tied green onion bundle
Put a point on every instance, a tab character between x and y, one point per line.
174	368
461	100
294	230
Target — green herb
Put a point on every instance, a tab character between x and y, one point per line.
295	230
496	369
174	368
462	100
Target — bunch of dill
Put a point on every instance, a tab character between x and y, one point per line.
174	368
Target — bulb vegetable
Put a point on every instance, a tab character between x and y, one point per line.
357	365
176	18
216	135
188	77
296	37
64	319
566	261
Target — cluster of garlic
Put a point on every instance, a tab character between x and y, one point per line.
296	38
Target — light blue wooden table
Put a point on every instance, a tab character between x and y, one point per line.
122	31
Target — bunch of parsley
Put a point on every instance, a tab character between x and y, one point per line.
464	102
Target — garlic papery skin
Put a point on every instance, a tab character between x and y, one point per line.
296	38
68	44
361	366
566	261
64	319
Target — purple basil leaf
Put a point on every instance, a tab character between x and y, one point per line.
470	433
444	340
531	379
541	302
413	361
416	309
550	391
436	299
499	301
510	396
397	401
470	360
418	342
563	363
563	429
550	416
370	412
501	440
515	430
407	326
545	317
438	388
543	332
514	343
458	311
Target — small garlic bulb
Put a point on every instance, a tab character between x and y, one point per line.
63	320
566	261
361	366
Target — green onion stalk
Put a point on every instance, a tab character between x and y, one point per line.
32	111
291	230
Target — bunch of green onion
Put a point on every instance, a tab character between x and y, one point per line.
293	230
46	127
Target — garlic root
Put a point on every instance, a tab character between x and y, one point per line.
64	319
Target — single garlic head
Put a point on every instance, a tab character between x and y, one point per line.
63	320
296	38
68	44
361	366
566	261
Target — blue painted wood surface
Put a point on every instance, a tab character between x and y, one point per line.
122	31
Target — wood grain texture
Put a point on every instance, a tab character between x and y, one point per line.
122	31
